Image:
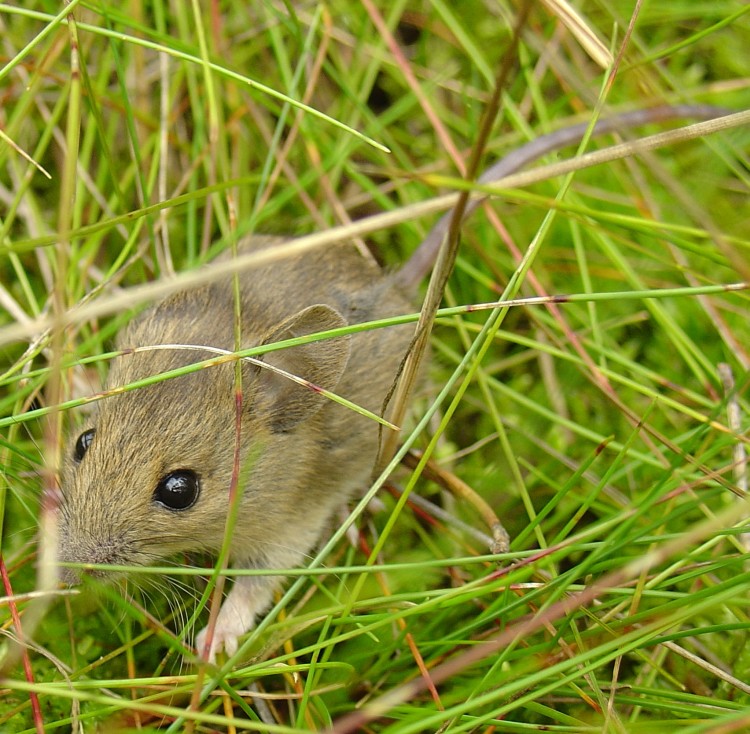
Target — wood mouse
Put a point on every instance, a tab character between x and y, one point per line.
149	475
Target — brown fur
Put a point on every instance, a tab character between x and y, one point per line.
308	454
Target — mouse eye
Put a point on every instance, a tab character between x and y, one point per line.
82	444
178	490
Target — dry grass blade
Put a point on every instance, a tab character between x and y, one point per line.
581	30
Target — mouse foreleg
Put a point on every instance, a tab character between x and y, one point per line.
249	596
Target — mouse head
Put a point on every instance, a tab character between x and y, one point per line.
150	476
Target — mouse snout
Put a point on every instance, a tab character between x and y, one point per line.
76	547
75	576
69	576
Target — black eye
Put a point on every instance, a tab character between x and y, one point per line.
178	490
82	444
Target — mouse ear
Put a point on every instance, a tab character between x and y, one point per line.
321	363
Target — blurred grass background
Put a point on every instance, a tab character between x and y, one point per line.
600	431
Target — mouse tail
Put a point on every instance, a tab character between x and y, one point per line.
423	258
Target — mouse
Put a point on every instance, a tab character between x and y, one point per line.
147	477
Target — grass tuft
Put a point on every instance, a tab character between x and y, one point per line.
601	410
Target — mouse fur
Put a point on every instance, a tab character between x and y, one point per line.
306	454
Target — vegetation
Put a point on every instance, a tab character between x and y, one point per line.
607	429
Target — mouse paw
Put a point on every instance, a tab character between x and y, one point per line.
223	639
249	596
233	621
228	630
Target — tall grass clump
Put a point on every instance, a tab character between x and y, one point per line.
596	402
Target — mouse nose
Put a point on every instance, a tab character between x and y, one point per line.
68	576
76	576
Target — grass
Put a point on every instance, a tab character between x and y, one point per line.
601	428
